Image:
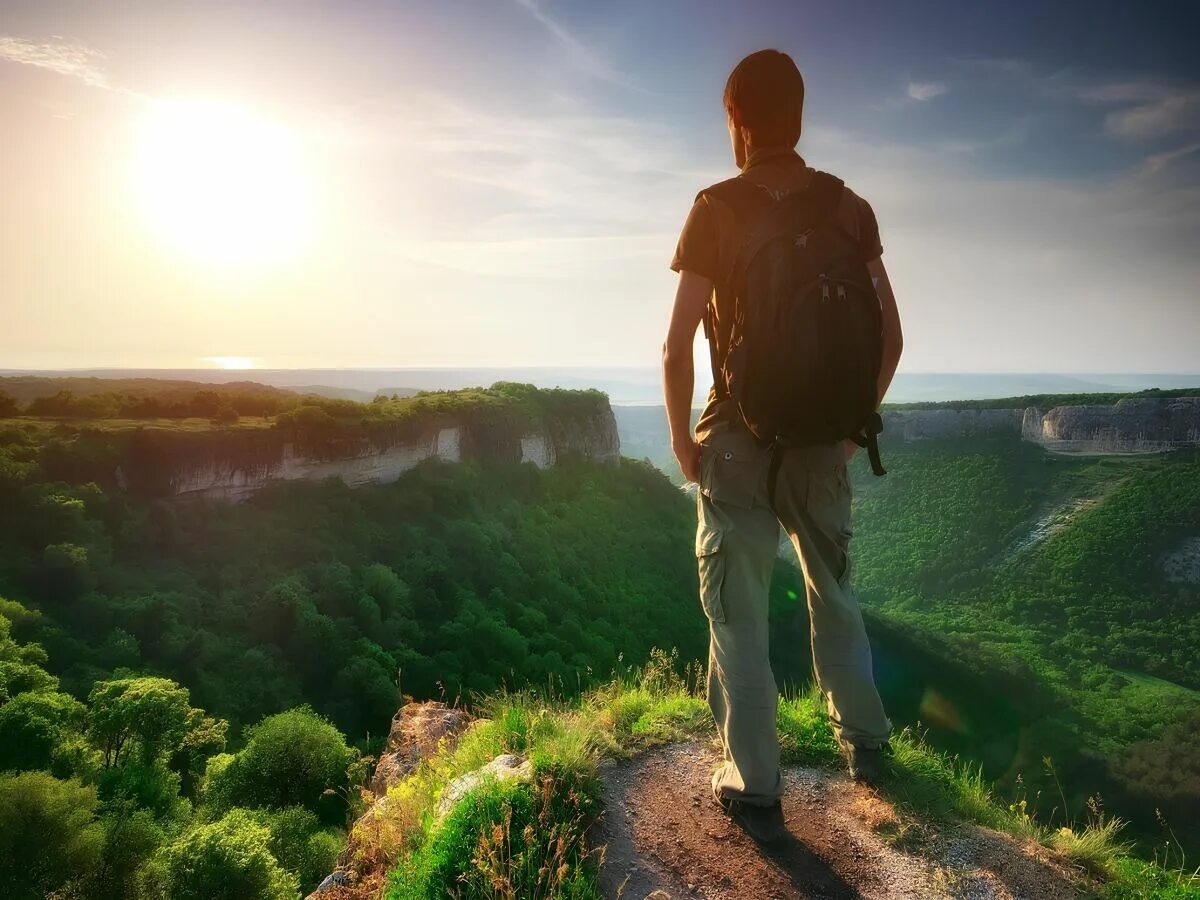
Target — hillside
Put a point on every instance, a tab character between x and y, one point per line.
163	446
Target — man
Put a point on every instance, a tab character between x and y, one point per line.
748	490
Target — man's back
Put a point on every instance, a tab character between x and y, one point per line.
716	230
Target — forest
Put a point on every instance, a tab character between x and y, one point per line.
1045	574
165	667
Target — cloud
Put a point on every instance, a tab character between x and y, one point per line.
926	90
581	56
1157	162
523	173
1172	112
1063	274
70	59
1140	108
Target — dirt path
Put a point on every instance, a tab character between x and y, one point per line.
667	839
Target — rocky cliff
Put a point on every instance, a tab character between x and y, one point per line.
541	427
1132	425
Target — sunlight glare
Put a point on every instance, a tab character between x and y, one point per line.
231	362
222	185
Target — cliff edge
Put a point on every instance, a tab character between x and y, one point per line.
608	796
360	444
1131	425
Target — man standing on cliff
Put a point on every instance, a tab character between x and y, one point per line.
753	480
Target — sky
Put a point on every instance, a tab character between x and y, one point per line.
386	183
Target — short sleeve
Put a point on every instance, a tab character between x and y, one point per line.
697	250
860	221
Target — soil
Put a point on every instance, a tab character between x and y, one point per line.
665	838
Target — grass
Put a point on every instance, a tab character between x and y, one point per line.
513	840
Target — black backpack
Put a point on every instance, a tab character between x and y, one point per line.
806	345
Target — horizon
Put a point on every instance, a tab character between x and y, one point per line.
625	385
190	194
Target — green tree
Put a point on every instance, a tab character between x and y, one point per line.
49	835
35	728
295	758
151	714
21	665
131	837
229	859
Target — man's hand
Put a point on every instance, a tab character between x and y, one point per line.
687	454
849	448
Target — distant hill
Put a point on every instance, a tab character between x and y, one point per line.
643	384
24	388
346	393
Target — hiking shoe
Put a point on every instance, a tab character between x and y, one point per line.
866	763
763	823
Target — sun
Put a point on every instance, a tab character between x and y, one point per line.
231	362
221	184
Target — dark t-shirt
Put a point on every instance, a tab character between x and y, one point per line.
714	233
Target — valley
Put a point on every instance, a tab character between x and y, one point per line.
1031	610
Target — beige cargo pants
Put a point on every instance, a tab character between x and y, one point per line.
737	540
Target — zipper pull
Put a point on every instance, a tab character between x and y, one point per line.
824	289
842	293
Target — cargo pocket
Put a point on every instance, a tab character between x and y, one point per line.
711	563
733	470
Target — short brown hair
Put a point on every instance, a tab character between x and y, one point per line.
767	90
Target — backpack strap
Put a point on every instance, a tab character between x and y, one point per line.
870	439
748	206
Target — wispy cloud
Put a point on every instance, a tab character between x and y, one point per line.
1139	108
1159	161
582	56
70	59
1159	110
926	90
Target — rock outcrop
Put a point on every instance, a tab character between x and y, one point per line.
419	732
505	767
233	464
1132	425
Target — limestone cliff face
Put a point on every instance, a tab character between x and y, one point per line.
233	465
1132	425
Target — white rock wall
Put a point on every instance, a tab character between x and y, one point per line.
378	467
536	448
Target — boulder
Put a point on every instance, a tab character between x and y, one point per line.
337	879
418	730
505	767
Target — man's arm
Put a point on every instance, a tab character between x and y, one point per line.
893	336
679	376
